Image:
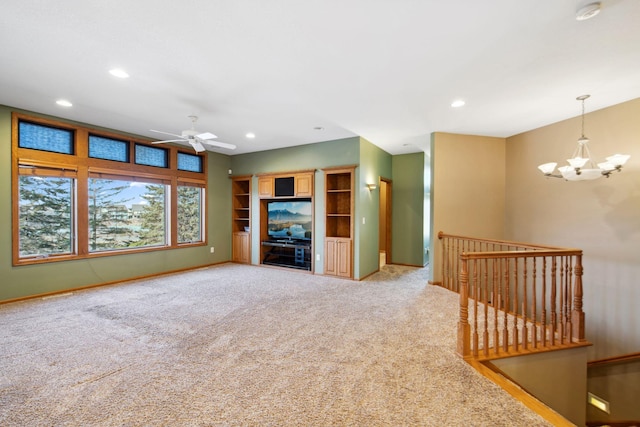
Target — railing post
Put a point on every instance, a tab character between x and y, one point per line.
464	335
577	315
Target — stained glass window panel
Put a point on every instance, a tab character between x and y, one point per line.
108	149
151	156
45	138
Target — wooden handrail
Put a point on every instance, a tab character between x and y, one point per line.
514	297
442	235
631	357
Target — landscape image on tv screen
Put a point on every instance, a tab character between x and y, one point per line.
288	219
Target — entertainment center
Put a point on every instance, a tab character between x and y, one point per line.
286	220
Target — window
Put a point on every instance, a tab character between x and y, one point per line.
45	138
45	216
82	193
108	149
126	214
189	162
190	211
151	156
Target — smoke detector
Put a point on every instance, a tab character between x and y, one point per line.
588	11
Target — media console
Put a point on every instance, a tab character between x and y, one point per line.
291	253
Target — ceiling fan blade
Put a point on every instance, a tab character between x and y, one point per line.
166	133
169	140
220	144
206	135
197	145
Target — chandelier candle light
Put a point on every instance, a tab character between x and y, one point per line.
581	167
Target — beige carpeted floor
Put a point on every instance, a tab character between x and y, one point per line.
244	345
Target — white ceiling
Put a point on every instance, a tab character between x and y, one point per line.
382	69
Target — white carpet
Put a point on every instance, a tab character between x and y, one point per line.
244	345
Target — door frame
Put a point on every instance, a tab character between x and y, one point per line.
387	187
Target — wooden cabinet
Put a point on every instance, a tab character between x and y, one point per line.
304	185
286	185
338	256
241	245
241	219
265	186
339	221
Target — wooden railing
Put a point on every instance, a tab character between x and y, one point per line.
515	298
625	358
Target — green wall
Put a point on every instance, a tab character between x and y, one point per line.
408	236
302	157
406	172
22	281
374	164
311	156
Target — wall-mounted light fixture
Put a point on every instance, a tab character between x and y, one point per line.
372	187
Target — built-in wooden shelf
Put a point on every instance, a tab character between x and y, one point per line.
241	219
339	215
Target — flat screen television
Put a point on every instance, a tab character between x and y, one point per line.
289	219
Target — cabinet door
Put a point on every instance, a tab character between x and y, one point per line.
240	248
337	257
343	257
304	185
330	257
265	187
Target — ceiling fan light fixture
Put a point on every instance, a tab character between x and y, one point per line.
588	11
197	145
196	139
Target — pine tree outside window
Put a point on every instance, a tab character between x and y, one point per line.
46	216
190	210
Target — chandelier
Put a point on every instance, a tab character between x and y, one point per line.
581	167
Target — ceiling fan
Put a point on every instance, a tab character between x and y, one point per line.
196	139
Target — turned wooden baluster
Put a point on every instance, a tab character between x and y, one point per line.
534	327
475	289
525	333
495	300
543	299
484	293
516	344
554	314
463	322
577	314
446	264
563	299
569	329
507	302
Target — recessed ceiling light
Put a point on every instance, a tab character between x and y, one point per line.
250	135
588	11
64	103
457	103
118	72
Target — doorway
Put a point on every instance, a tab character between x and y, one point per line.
384	243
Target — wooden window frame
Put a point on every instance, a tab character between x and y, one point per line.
84	167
